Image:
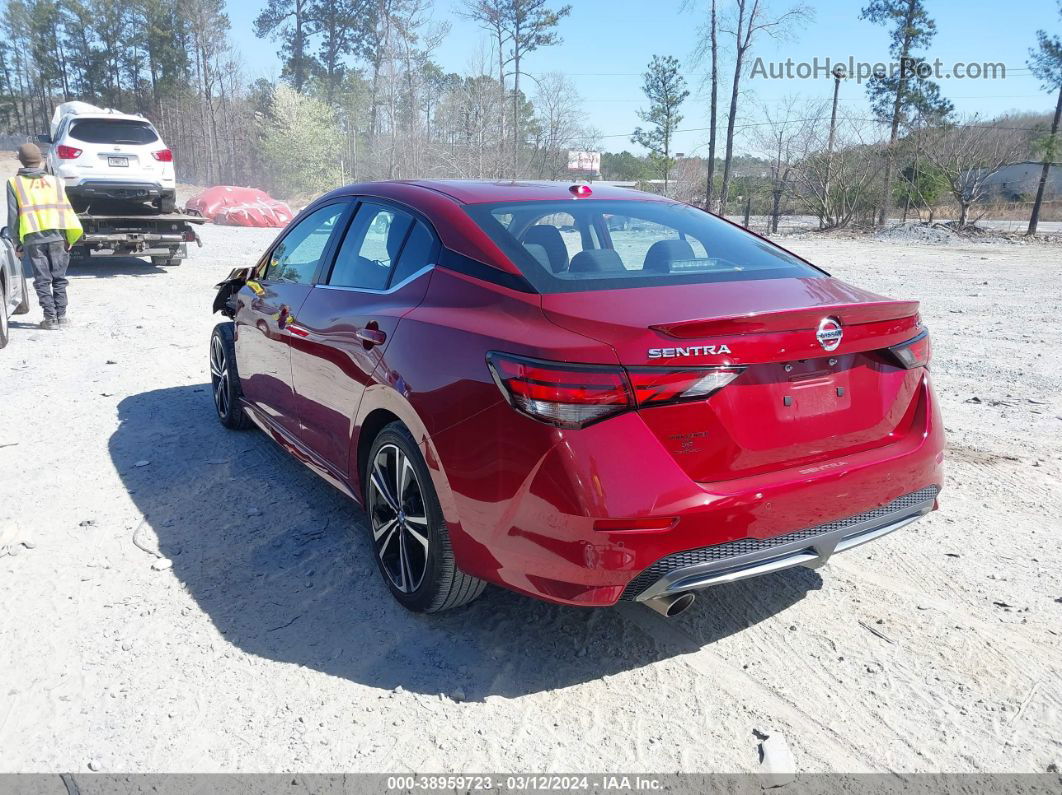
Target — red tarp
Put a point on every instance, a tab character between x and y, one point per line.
226	204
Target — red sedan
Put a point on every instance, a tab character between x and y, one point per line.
584	394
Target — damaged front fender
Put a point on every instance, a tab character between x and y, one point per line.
225	300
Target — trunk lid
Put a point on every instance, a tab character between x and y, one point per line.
804	396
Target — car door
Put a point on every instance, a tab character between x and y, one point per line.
267	307
379	274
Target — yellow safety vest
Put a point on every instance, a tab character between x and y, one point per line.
42	206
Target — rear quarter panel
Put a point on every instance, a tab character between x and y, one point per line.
435	379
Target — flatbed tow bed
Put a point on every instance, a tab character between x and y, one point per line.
164	237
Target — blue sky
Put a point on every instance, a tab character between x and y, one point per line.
608	44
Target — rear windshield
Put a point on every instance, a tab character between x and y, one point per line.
113	131
589	244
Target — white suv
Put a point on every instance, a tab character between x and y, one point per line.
104	156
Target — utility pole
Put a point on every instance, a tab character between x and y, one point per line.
838	76
1052	150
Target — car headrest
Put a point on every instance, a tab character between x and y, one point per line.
663	252
539	253
597	260
549	237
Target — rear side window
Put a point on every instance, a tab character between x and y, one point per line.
578	245
113	131
370	250
416	253
384	246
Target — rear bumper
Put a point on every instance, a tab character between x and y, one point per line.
118	191
532	522
737	560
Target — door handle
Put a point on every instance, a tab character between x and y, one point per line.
371	334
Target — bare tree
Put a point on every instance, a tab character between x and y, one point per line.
750	19
849	173
559	121
491	16
782	137
967	154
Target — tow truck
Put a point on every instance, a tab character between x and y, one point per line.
164	237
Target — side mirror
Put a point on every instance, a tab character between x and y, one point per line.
43	139
5	233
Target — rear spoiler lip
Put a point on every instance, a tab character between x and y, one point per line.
798	319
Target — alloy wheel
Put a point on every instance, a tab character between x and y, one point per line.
399	518
219	375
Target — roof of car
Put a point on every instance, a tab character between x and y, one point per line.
114	116
470	191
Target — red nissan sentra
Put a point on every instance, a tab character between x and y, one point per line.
585	394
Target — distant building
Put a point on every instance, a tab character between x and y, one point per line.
1018	182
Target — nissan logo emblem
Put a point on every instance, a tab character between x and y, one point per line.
829	334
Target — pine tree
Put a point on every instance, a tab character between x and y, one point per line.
905	93
293	24
665	88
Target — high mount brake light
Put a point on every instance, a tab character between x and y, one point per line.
580	191
915	352
65	152
163	156
577	395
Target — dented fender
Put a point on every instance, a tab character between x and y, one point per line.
227	289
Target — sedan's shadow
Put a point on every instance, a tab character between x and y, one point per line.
281	564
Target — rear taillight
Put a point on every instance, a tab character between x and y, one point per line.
65	152
653	386
163	156
568	396
913	353
576	395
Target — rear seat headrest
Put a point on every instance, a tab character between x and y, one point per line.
663	252
596	260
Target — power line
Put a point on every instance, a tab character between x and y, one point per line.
1008	70
855	99
823	118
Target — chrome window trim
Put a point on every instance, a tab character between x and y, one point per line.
374	291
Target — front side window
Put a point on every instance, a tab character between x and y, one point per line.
592	244
296	257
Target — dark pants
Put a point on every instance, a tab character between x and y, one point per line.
49	262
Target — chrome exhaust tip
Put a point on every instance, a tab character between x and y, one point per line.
671	605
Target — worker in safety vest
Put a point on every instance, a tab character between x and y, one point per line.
44	227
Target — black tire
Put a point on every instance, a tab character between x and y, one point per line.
225	380
24	307
168	204
5	328
414	556
166	262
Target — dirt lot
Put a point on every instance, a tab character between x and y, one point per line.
272	645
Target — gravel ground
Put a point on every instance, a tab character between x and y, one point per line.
177	597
